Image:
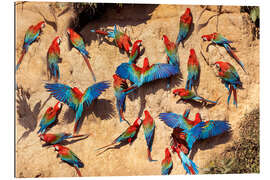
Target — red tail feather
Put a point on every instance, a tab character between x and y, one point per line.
78	171
101	32
191	170
89	67
235	96
20	60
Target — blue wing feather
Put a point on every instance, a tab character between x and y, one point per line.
214	128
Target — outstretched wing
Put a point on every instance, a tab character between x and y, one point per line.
94	92
193	134
129	71
214	128
159	71
174	120
63	93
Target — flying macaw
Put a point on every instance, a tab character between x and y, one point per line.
173	120
49	117
121	39
119	85
147	73
187	163
53	58
128	135
69	157
217	38
171	51
184	26
52	139
149	130
77	41
32	34
186	94
209	129
230	78
135	52
193	70
166	164
74	98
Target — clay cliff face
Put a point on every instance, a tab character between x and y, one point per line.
148	23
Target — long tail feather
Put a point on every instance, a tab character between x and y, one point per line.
230	93
78	171
235	97
149	155
100	32
89	67
230	51
20	60
105	146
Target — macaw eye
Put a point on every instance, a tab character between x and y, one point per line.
217	66
43	25
139	121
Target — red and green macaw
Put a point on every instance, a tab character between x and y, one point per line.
51	139
53	58
69	157
147	73
149	130
230	78
186	94
193	70
217	38
184	26
74	98
171	51
32	34
128	135
172	54
135	52
121	39
77	41
167	163
209	128
49	117
119	85
187	163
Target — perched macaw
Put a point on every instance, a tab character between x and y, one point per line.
166	164
52	139
119	85
49	117
184	26
209	128
147	73
193	70
74	98
230	78
69	157
128	135
172	54
77	41
53	58
32	34
135	52
149	130
121	39
217	38
188	164
173	120
171	51
186	94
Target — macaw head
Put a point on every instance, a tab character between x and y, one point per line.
187	11
209	37
192	51
58	40
115	77
41	24
167	153
145	63
77	92
69	31
58	147
137	122
137	44
218	65
43	137
165	39
180	92
146	113
198	119
57	106
49	110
